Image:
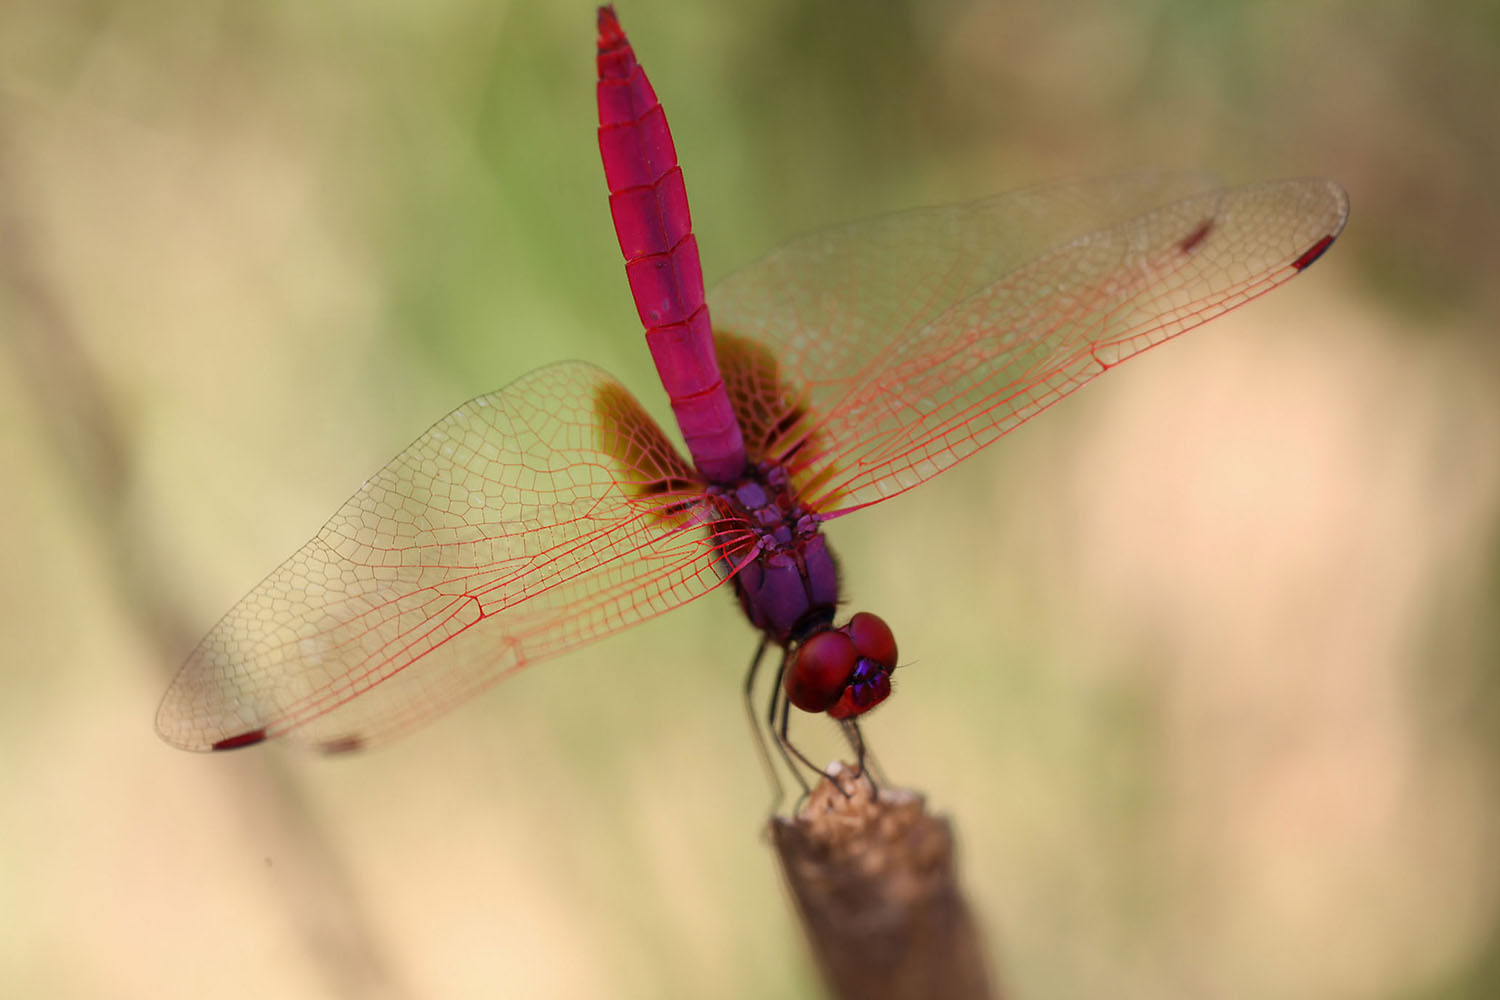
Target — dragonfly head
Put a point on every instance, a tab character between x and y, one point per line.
843	671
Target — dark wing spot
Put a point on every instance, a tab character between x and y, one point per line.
344	744
249	739
789	420
669	484
1312	253
1195	239
673	486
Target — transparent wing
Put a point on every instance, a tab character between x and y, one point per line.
525	523
871	358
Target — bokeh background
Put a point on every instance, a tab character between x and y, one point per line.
1202	665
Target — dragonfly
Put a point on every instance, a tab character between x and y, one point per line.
836	373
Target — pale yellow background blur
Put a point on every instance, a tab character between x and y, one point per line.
1202	664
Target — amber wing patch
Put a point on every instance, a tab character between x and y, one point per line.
772	410
649	465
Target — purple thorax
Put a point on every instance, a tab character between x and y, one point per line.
789	587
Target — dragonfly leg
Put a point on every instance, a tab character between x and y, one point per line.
866	766
778	792
788	748
779	701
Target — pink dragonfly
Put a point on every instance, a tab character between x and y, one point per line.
839	371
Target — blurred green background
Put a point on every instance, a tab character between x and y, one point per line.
1202	665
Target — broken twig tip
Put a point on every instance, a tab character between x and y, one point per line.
874	878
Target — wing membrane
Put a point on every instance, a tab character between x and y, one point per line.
906	344
525	523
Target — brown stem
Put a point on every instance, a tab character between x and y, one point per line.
874	880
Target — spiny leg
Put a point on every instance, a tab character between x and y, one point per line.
778	792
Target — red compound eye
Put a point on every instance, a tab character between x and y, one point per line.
820	670
873	639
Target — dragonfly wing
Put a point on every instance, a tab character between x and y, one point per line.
793	328
888	351
525	523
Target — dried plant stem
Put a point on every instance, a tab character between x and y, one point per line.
873	877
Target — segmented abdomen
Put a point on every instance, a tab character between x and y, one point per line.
648	201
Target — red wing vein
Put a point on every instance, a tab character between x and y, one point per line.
508	523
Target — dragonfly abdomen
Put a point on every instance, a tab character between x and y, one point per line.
648	201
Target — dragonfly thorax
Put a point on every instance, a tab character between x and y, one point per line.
786	579
787	583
